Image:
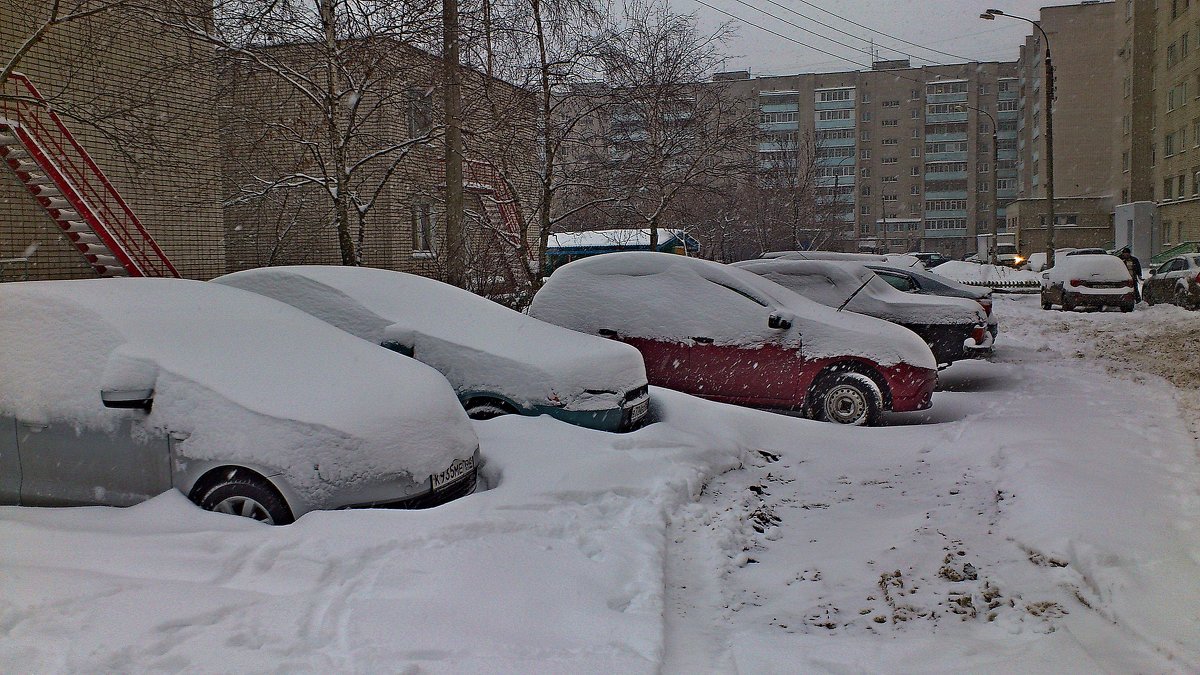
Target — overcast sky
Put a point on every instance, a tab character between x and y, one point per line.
952	27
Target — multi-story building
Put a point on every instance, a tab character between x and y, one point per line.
1174	113
904	155
1095	145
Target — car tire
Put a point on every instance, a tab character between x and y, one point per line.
486	409
1046	303
246	496
1127	307
1068	305
847	398
1181	299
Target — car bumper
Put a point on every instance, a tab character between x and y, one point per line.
407	494
911	387
1096	299
952	342
628	417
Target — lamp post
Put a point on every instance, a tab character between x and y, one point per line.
1049	88
995	171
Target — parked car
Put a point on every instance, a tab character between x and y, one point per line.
1037	261
1088	280
116	390
897	259
923	282
726	334
498	361
954	328
1177	280
931	259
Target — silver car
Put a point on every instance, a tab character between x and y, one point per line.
116	390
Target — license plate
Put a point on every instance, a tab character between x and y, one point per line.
639	411
457	470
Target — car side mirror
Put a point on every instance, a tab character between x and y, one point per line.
398	347
1153	272
400	341
129	399
779	322
128	382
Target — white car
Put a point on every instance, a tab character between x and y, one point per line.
954	328
498	361
1088	280
116	390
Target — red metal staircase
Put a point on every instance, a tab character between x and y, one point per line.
72	189
485	179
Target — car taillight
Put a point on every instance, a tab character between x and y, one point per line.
1198	278
978	333
1076	282
1129	283
986	305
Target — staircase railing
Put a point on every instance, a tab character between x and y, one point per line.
57	152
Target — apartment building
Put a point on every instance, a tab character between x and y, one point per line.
904	155
1174	111
1096	150
136	102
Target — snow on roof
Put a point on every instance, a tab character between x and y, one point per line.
899	259
241	375
670	297
478	344
610	238
831	282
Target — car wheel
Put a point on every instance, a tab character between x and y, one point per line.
1068	305
848	398
1127	307
486	408
1181	299
1045	303
246	496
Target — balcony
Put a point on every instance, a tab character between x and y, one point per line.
957	213
946	156
934	138
946	98
934	118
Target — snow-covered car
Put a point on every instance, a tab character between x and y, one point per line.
116	390
1088	280
897	259
1036	262
1176	280
726	334
954	328
498	361
922	282
931	259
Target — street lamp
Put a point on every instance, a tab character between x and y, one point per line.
995	179
990	15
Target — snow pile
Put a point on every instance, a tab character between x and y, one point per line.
976	274
1041	517
478	345
243	377
673	298
831	283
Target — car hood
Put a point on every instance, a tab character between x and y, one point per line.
237	376
478	345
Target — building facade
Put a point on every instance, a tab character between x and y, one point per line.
135	100
904	156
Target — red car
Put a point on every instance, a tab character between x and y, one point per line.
729	335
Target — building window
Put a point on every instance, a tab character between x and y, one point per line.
915	113
866	115
914	152
1169	145
865	172
914	95
1181	185
915	134
420	112
1195	180
982	186
914	190
914	171
866	97
1006	184
865	136
825	115
865	153
834	95
890	179
1168	189
865	191
890	141
1172	54
890	198
422	227
889	160
865	209
982	167
891	123
893	103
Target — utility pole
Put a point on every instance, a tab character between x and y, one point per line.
452	99
1048	86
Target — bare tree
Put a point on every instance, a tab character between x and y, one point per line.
321	91
673	134
59	13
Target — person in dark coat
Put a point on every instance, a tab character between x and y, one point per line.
1135	270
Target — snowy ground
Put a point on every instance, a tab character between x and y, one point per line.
1044	516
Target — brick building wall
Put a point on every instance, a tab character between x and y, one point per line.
141	102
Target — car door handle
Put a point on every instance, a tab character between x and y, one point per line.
703	340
